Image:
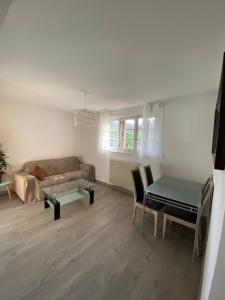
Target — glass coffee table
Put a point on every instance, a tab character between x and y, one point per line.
65	193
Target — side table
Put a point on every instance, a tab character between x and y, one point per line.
5	184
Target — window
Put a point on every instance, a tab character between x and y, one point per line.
126	134
143	135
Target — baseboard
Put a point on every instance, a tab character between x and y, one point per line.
103	183
115	187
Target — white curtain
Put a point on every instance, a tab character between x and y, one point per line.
152	143
104	122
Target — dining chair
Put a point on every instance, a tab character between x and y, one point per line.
187	218
151	207
148	174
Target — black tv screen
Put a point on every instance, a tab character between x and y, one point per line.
218	144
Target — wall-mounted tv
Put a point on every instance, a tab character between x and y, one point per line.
218	145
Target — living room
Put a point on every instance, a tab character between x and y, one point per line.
91	93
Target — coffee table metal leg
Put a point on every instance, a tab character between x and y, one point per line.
92	196
57	211
46	205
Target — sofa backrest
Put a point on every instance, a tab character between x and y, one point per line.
55	166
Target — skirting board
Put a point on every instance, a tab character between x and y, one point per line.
121	189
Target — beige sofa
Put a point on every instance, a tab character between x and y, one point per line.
61	170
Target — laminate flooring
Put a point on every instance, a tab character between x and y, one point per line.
92	253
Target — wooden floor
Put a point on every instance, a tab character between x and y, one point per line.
92	252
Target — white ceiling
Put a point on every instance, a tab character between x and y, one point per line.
125	51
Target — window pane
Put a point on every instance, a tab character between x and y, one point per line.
128	144
129	124
114	144
114	124
140	133
128	134
114	134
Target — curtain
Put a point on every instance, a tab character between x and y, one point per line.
104	122
152	143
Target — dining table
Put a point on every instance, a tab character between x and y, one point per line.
178	193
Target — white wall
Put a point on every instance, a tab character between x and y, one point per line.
214	269
89	152
188	138
218	288
30	132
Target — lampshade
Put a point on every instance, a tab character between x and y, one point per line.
85	117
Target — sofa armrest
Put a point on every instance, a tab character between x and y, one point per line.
90	169
25	186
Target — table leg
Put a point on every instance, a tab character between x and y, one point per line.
9	193
46	205
196	242
57	211
92	196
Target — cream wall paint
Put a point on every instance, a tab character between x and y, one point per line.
89	152
188	137
30	132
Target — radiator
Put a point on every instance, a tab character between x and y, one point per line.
120	173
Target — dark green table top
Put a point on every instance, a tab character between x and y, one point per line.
184	191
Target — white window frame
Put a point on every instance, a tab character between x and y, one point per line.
121	132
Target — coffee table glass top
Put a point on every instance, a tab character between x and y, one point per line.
69	191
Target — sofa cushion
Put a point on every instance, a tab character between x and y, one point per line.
55	166
38	172
56	179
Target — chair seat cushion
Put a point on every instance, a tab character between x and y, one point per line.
180	214
154	205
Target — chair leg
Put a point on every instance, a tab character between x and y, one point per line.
155	225
199	231
196	245
196	241
134	213
164	225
